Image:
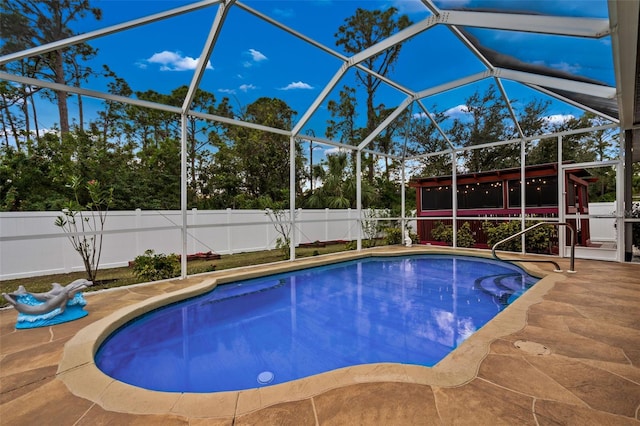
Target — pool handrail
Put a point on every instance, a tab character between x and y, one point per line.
517	234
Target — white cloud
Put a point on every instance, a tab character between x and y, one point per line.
558	118
564	66
256	55
457	111
228	91
173	61
421	114
297	85
246	87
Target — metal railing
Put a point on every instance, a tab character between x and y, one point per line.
558	224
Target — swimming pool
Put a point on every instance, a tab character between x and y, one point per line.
259	332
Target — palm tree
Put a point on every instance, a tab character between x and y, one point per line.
338	188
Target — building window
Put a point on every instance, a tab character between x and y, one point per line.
436	198
485	195
540	192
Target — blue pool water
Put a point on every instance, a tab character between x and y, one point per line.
411	310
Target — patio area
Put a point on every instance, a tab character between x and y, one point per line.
568	354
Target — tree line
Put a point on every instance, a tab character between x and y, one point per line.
136	150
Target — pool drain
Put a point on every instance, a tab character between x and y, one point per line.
532	348
265	377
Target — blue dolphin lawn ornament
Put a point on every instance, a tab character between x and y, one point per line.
58	305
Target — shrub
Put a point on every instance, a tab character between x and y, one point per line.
393	235
444	233
154	267
536	241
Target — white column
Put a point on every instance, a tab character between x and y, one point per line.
454	197
403	213
358	197
183	194
292	197
523	197
562	202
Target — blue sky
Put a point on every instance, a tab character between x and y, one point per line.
253	59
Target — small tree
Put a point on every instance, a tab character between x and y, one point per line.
279	219
372	226
84	227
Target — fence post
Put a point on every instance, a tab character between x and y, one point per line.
229	243
194	229
326	224
138	225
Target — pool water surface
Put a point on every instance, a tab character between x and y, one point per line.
278	328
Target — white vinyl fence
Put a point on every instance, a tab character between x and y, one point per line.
31	245
602	222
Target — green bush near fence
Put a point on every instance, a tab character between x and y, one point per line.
537	240
154	267
444	233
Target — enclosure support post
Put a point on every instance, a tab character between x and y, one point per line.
292	198
183	194
562	200
523	195
359	196
626	236
454	197
403	219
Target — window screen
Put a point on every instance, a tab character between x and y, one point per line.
540	192
486	195
436	198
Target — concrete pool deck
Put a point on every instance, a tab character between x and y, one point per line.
567	352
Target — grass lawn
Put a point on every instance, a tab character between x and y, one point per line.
117	277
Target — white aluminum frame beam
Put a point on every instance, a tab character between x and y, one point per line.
625	17
247	124
435	123
471	46
388	120
517	140
381	154
201	66
572	102
60	44
326	142
591	89
432	7
319	99
393	40
508	103
542	24
453	84
90	93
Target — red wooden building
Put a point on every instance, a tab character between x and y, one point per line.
487	195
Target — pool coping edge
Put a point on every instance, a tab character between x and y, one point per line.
82	377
